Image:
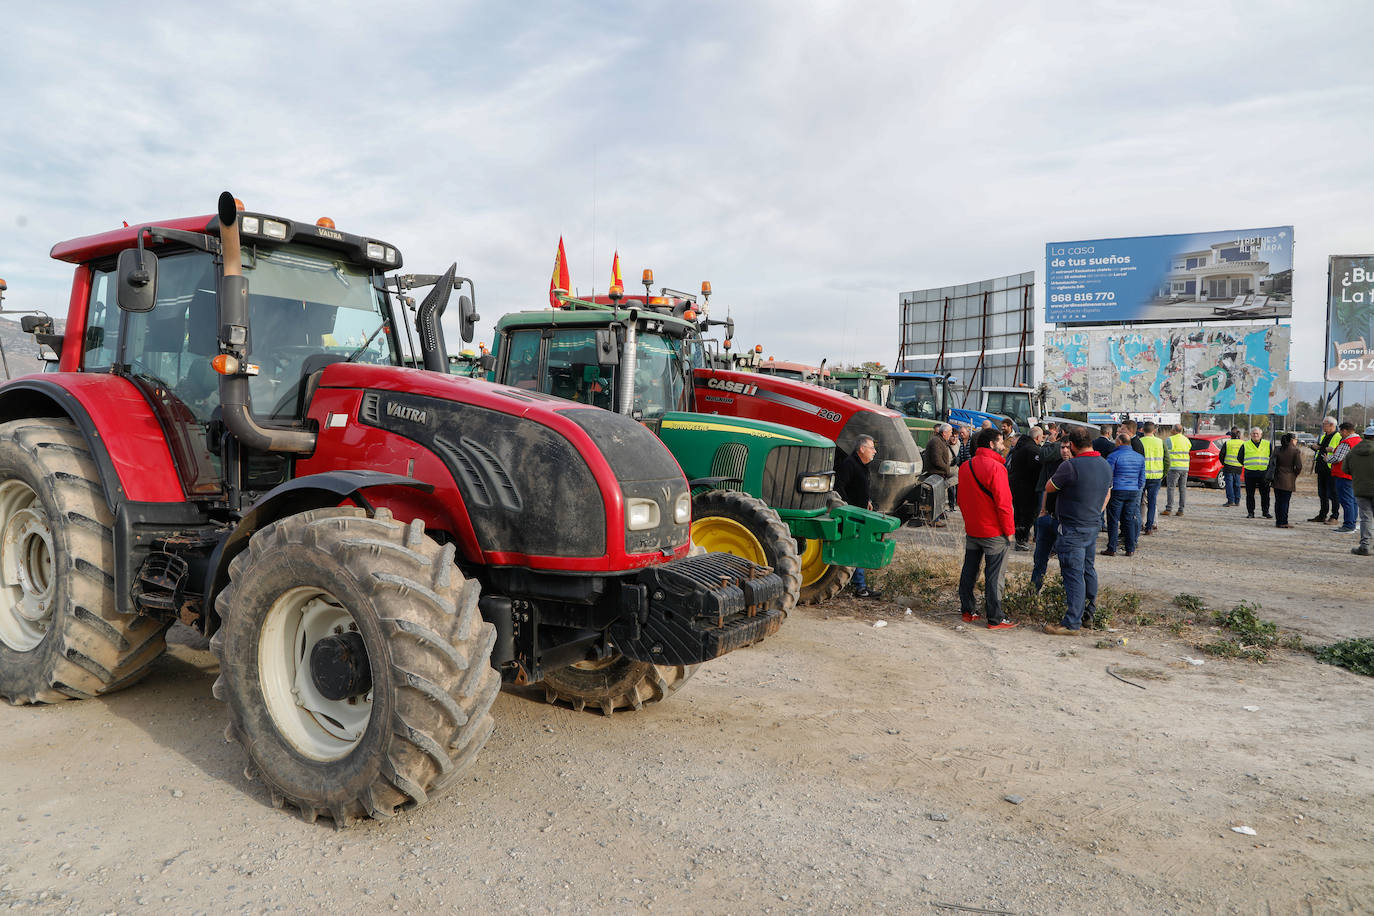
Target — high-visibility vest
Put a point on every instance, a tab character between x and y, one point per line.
1154	457
1177	451
1326	445
1338	469
1255	454
1230	453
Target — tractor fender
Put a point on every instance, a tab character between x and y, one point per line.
316	491
125	440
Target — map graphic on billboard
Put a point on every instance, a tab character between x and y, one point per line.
1217	369
1350	319
1203	276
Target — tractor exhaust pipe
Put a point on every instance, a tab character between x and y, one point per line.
628	362
236	403
428	318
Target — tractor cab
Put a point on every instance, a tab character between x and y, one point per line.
926	399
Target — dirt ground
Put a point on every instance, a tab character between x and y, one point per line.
838	767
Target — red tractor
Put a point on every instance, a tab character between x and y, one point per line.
232	438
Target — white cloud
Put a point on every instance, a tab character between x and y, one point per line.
812	160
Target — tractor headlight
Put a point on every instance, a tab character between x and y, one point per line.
897	468
682	509
641	514
816	483
249	224
376	251
274	229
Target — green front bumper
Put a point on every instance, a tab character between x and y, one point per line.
849	536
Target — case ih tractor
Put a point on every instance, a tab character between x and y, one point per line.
232	439
762	491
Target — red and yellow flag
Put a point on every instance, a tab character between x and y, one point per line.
560	282
617	284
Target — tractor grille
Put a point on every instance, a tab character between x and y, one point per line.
730	461
784	465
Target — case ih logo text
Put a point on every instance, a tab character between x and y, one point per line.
402	412
733	387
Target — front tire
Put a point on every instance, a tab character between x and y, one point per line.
821	581
728	521
61	633
398	705
615	683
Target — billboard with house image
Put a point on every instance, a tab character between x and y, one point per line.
1229	275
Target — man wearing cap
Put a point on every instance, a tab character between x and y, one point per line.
1340	477
1359	462
1231	466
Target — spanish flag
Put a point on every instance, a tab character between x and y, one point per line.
560	282
617	284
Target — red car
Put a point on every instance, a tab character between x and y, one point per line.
1204	460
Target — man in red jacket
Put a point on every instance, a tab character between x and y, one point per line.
985	502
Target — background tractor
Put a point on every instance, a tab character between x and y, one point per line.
761	491
926	399
233	439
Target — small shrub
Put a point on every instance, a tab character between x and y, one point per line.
1250	630
1356	655
1192	604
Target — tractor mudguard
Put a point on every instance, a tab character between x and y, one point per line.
849	536
316	491
125	440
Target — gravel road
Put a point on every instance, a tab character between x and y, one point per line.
839	767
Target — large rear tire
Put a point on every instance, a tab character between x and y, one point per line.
821	581
728	521
615	683
355	666
61	633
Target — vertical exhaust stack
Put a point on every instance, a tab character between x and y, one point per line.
235	399
433	349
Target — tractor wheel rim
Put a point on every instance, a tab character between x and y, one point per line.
316	726
812	566
724	535
26	568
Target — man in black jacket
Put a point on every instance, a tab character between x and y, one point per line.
1023	476
851	482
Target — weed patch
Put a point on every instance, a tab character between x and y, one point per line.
1357	655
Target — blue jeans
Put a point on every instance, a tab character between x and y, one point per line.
1232	481
1345	495
1151	499
1123	517
1077	548
1046	532
858	581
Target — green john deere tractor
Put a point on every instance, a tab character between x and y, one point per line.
760	490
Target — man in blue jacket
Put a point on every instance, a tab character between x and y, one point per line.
1083	484
1123	509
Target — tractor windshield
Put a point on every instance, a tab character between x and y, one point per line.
573	370
918	397
304	302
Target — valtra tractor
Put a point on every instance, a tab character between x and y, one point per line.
232	439
761	490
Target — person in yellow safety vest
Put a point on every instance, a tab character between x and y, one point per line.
1176	456
1326	489
1254	455
1153	450
1231	467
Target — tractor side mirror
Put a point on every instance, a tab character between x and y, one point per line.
729	329
607	354
137	282
467	318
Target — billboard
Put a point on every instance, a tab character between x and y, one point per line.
982	332
1350	318
1202	276
1211	369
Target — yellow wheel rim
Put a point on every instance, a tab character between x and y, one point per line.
812	566
724	535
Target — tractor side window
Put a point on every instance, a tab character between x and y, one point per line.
102	323
573	371
660	383
172	345
522	360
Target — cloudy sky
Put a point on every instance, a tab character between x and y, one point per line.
811	159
